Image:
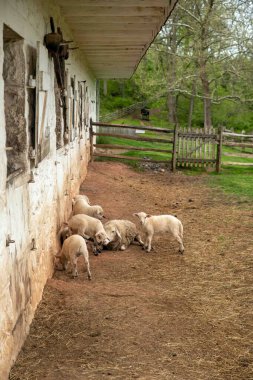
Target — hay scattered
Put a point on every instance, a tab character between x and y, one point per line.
158	315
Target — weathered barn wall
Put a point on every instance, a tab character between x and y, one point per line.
32	209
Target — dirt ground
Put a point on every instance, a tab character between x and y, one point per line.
160	315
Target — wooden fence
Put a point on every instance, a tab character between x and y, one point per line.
242	143
188	147
126	148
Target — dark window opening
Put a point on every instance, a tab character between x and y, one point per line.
14	101
73	108
31	55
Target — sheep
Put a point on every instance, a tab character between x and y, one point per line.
64	233
80	206
82	197
73	247
121	234
88	227
160	223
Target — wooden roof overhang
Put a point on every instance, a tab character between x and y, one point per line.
115	34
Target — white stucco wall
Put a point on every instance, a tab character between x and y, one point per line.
34	210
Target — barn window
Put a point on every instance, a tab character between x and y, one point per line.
14	101
81	108
73	108
31	56
59	116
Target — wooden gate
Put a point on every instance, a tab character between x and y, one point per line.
197	148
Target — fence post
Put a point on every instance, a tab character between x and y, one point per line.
91	140
174	153
219	150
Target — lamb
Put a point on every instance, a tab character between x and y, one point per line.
121	234
88	227
64	233
160	223
80	206
73	247
82	197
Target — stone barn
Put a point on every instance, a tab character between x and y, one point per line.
52	54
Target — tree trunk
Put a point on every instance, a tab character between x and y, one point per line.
171	73
207	100
172	111
207	106
192	100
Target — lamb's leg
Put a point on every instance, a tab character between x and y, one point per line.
74	266
148	241
138	238
88	266
181	245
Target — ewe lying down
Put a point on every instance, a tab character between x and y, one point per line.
155	224
80	206
121	234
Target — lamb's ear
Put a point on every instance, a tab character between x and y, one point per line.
135	214
148	216
118	233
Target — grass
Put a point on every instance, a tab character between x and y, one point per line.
234	180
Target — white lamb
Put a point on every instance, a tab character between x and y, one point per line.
81	196
80	206
121	234
73	247
160	224
88	227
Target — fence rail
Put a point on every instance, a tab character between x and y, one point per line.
125	148
238	140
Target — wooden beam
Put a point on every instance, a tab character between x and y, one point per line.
237	163
140	127
241	145
110	55
195	160
137	138
117	3
109	61
127	147
104	39
99	20
244	155
108	47
95	27
82	10
98	35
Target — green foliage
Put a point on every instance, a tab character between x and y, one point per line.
201	39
